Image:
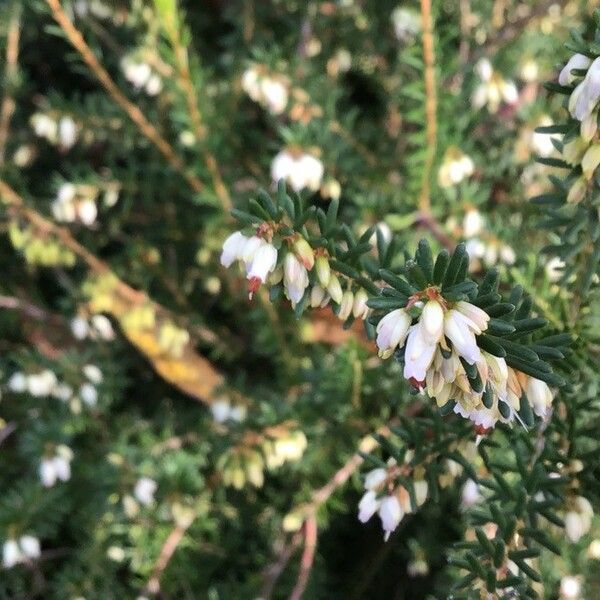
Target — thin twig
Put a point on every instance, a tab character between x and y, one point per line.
274	570
166	553
135	114
12	303
189	92
430	104
12	56
308	557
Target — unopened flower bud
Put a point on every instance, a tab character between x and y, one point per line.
304	253
335	289
577	192
574	150
323	270
590	160
317	295
346	305
589	126
360	308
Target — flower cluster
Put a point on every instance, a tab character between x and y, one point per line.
456	166
406	23
98	327
268	89
26	548
582	149
302	170
389	500
59	131
56	466
297	266
493	89
78	202
441	355
222	411
45	383
141	75
271	449
482	245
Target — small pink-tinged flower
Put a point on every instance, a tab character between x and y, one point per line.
391	331
263	262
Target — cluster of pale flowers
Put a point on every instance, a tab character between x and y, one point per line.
58	131
95	8
14	551
45	383
456	166
302	170
493	88
223	410
480	244
56	466
390	501
432	364
260	259
246	464
78	202
583	149
270	90
141	75
406	23
97	327
143	494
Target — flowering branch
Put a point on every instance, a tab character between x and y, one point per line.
461	342
133	112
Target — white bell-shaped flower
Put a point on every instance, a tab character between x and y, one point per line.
30	545
390	513
233	248
392	331
539	395
577	61
432	318
263	262
11	554
295	278
368	506
419	353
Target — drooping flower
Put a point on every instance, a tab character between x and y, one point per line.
390	513
419	353
392	331
360	310
539	395
369	504
585	96
233	248
295	278
262	263
578	62
461	330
